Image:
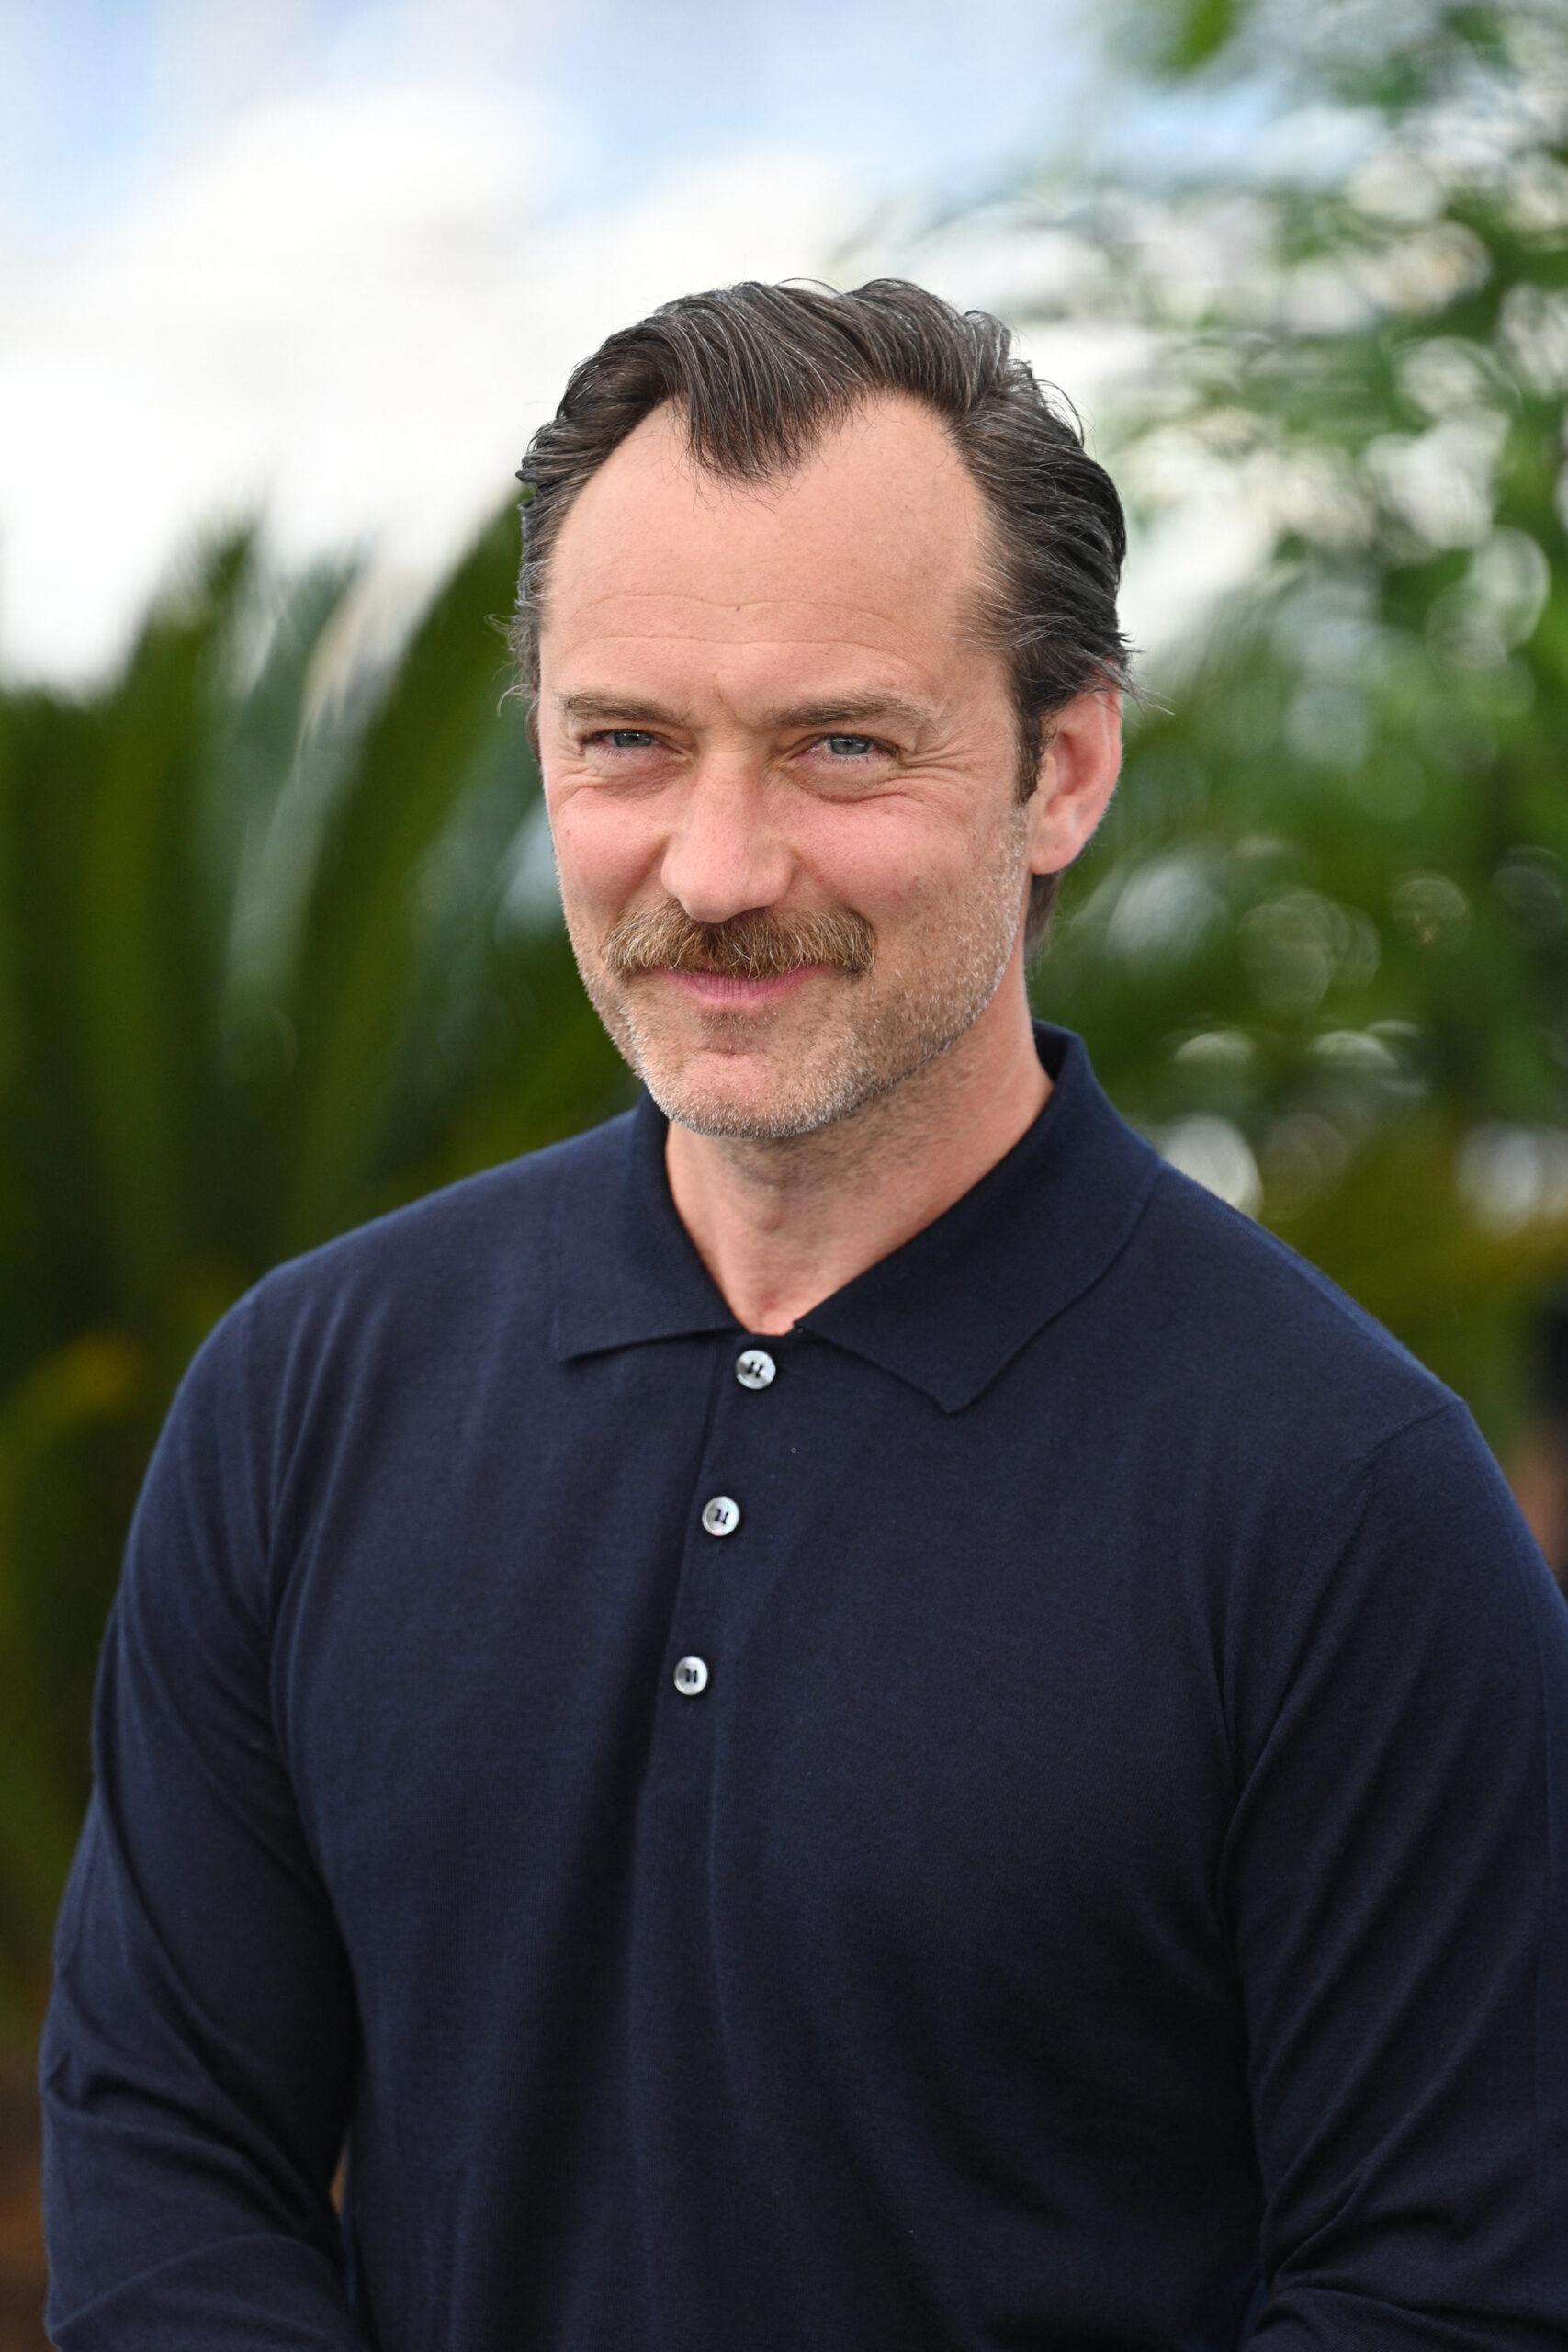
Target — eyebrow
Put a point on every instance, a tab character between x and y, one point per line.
832	711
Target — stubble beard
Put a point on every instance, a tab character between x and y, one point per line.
873	1035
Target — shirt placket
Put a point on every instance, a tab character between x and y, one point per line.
721	1514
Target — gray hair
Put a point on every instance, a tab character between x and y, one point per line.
759	372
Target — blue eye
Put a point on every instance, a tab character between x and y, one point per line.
614	737
837	741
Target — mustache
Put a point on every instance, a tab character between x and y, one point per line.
756	945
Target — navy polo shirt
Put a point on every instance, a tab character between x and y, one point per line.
1030	1810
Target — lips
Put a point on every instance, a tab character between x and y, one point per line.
720	989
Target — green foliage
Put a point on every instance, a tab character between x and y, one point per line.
1323	934
269	967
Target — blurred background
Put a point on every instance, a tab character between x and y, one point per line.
285	287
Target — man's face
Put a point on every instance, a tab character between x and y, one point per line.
767	749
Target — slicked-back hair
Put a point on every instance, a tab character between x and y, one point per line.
760	373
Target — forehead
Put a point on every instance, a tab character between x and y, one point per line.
874	539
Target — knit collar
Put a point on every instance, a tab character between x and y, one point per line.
946	1310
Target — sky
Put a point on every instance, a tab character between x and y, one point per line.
331	261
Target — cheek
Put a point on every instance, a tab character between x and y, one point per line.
885	857
603	848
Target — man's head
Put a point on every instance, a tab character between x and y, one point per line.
818	607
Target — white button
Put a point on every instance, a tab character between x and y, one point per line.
721	1515
690	1676
755	1368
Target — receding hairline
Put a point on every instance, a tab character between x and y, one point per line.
843	409
975	622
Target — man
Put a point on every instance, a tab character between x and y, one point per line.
843	1712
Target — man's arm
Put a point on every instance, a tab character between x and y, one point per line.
1395	1879
199	2055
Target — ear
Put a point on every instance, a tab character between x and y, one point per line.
1079	768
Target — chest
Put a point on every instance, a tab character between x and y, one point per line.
807	1664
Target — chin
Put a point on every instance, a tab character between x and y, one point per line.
708	1111
761	1113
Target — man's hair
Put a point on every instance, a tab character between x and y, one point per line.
759	373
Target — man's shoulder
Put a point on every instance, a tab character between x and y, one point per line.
494	1232
1262	1333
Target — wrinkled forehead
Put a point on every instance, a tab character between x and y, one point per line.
879	531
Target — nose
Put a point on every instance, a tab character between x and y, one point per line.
724	856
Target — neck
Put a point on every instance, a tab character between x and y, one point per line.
781	1226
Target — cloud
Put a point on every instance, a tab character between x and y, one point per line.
351	308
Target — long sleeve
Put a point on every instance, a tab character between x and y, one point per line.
199	2055
1395	1878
